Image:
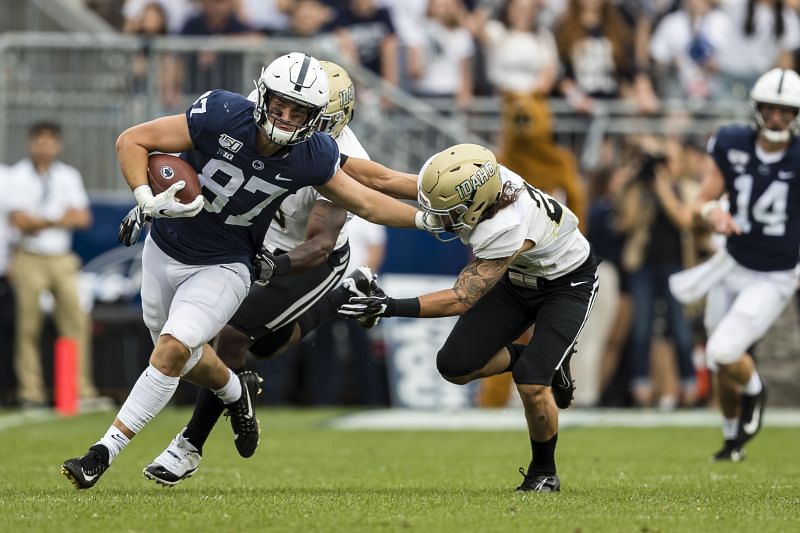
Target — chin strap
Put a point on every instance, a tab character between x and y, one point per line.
775	136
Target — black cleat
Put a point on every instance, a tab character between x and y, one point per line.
731	451
539	482
246	432
362	283
84	471
563	386
751	415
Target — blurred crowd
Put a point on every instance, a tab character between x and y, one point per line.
583	50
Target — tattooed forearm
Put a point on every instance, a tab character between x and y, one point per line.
478	277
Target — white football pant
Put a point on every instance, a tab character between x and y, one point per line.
189	302
741	307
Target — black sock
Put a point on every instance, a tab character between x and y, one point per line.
544	457
515	350
207	410
323	310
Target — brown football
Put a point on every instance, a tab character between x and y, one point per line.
163	170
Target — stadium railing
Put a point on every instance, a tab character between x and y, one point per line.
97	85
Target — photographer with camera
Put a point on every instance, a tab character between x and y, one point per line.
656	218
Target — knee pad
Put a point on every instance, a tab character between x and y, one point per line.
194	358
450	365
720	352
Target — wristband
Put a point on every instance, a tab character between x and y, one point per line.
419	220
142	193
408	307
706	208
283	265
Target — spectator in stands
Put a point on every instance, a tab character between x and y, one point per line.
47	203
210	69
269	16
178	12
151	23
307	18
690	41
596	46
766	34
656	217
367	36
440	62
7	237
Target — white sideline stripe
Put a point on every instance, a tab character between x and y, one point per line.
11	418
23	419
513	419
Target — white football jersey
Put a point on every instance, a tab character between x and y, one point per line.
288	227
559	245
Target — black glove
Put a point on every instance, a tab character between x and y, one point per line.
368	306
131	226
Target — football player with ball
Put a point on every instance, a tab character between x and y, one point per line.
198	260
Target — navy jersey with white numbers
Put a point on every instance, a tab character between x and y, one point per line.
242	188
764	200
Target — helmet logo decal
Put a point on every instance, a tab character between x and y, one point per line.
466	189
346	96
301	78
167	173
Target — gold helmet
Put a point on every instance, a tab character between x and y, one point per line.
456	186
341	101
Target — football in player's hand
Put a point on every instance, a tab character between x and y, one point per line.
164	170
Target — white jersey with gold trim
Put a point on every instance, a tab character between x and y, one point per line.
288	227
559	245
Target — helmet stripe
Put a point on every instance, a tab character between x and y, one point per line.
304	70
780	82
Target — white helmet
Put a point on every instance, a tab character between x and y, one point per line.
779	87
296	77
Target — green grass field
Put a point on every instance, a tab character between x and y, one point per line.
308	477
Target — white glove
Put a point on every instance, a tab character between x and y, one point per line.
164	205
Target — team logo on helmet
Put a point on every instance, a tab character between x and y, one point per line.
467	188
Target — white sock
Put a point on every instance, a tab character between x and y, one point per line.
115	441
753	386
148	397
232	390
730	428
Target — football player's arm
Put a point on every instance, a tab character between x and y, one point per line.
324	224
369	204
167	134
380	178
477	278
706	206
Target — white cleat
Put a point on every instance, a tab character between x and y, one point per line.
179	461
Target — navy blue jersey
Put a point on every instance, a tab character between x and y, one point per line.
764	200
242	188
